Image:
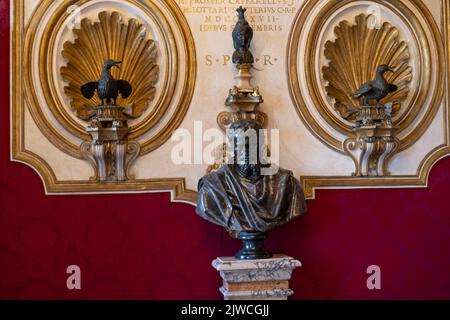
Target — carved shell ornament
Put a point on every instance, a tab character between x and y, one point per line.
111	39
354	57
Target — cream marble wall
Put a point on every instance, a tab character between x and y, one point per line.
299	149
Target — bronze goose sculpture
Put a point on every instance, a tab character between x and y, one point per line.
376	89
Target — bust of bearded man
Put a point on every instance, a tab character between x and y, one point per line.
246	197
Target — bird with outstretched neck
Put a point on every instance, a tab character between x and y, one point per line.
107	87
376	89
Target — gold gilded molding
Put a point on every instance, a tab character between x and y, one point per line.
177	186
159	108
445	8
426	74
20	101
420	179
312	183
111	38
225	118
353	58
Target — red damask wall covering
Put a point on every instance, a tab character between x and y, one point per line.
142	246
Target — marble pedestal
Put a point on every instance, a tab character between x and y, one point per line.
263	279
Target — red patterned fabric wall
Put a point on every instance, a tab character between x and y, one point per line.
144	247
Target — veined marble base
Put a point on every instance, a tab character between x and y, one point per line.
262	279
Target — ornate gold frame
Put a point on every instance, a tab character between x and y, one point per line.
63	117
177	186
52	185
403	123
311	183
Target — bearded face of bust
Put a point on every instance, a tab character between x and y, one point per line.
247	145
247	164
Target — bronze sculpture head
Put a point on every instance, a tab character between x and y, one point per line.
248	153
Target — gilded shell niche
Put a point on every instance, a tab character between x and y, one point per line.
353	58
111	38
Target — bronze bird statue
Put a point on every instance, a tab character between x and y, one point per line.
376	89
107	87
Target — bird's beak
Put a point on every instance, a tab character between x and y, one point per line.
391	70
117	64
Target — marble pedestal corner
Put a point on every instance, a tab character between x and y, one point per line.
262	279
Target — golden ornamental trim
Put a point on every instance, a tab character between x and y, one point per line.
171	83
21	35
431	83
177	186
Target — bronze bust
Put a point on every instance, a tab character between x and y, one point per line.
243	199
242	37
